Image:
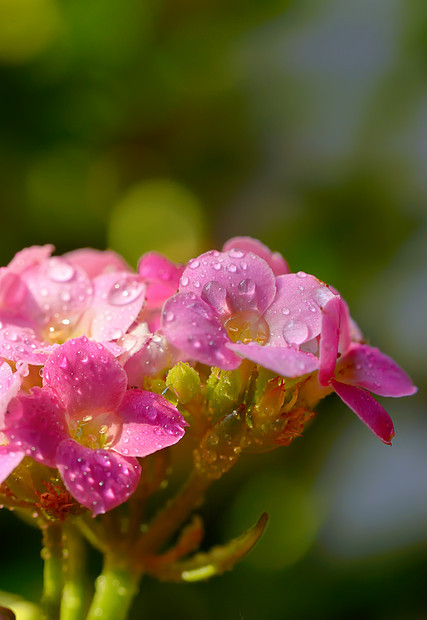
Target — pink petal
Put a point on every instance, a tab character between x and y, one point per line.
8	461
153	356
329	339
14	293
248	244
243	281
295	315
35	423
61	291
368	367
85	376
98	479
96	262
10	382
286	361
161	276
194	327
150	423
118	299
20	343
367	409
29	257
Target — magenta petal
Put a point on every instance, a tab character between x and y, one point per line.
367	408
35	423
98	479
96	262
85	376
150	423
161	276
287	362
193	326
245	280
8	461
118	299
329	338
368	367
248	244
295	315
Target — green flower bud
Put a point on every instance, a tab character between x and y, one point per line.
184	381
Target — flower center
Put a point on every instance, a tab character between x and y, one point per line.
96	431
247	326
58	332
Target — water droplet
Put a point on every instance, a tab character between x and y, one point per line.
295	332
125	291
63	363
60	271
193	264
12	336
184	281
150	413
216	266
169	316
285	311
231	268
247	287
301	274
236	253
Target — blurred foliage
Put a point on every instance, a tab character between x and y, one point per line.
175	124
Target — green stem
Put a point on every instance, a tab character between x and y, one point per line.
52	572
115	589
174	514
73	595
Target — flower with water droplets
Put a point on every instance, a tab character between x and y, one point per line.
85	422
47	300
232	305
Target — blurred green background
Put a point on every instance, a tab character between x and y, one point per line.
173	125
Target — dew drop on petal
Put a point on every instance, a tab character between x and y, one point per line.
295	332
169	316
236	253
301	274
247	287
231	268
193	264
60	271
125	291
184	281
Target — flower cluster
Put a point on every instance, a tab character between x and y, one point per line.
85	343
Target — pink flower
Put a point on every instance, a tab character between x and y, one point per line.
85	422
359	370
47	300
231	305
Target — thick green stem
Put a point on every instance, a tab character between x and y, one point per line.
114	592
73	595
52	573
174	514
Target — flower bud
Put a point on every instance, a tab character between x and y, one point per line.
184	381
221	445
